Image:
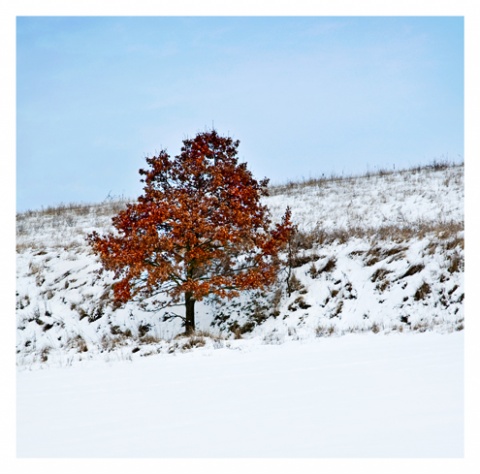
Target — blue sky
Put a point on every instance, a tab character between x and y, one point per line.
305	96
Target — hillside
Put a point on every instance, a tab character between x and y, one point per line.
378	253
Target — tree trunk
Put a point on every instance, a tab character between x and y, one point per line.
189	313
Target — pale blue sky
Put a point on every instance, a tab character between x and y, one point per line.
304	95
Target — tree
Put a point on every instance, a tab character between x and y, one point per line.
199	228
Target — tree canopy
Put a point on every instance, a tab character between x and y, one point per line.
199	228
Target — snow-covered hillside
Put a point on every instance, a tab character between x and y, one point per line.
380	253
364	357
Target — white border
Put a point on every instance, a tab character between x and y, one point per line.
11	9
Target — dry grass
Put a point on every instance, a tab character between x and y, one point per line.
299	303
375	328
65	212
422	292
380	277
63	226
327	267
324	331
77	343
150	339
456	263
446	232
412	270
294	284
322	181
193	342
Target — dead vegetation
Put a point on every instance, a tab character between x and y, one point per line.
412	270
383	253
63	213
323	180
63	226
422	292
446	234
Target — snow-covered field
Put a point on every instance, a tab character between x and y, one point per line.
357	396
363	359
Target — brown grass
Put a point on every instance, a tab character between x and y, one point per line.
456	263
324	331
413	270
65	211
322	181
422	292
444	232
193	342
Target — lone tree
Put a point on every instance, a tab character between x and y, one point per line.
199	228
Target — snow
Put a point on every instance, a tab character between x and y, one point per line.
404	197
62	315
357	363
354	396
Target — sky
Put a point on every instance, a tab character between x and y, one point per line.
306	96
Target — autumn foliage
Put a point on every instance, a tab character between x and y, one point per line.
199	228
